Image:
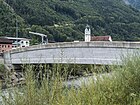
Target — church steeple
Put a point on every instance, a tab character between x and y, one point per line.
87	34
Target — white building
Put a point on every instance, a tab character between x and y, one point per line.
19	42
87	34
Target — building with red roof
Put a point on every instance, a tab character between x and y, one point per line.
101	38
5	45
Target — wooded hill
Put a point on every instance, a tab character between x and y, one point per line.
134	3
65	20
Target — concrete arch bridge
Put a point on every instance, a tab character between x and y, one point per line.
104	53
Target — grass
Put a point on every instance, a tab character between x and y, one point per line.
121	87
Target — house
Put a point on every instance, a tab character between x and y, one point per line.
5	45
19	42
101	38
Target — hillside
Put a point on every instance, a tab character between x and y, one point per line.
65	20
134	3
8	20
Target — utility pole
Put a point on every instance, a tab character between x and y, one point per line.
16	28
16	32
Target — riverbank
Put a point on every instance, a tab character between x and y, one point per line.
120	89
67	71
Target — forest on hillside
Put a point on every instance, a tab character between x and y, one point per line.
65	20
134	3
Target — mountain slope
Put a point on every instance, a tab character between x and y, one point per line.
134	3
8	19
65	20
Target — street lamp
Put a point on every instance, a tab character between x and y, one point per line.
43	36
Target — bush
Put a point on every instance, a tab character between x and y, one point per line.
120	87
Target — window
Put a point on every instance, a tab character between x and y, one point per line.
27	42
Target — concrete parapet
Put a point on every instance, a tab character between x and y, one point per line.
101	44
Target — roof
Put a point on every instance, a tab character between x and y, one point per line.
101	38
5	40
14	38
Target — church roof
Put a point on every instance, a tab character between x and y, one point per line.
101	38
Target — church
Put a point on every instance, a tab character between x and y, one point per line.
89	38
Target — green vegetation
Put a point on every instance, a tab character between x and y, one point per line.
8	20
134	3
65	20
3	72
121	87
2	68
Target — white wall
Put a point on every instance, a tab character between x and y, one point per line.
87	34
24	43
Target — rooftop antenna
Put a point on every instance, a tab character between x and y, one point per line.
42	36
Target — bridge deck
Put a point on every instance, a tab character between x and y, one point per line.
74	52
